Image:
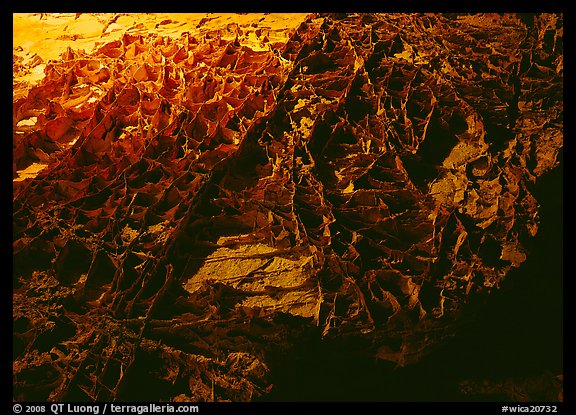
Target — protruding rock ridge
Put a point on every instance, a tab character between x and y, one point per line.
204	202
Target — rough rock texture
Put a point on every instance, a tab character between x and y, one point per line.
205	203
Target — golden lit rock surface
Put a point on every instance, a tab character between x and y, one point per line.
195	192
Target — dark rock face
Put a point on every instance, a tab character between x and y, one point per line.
206	204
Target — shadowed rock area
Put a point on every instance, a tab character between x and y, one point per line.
191	210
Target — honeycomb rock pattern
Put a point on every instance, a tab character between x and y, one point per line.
204	203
